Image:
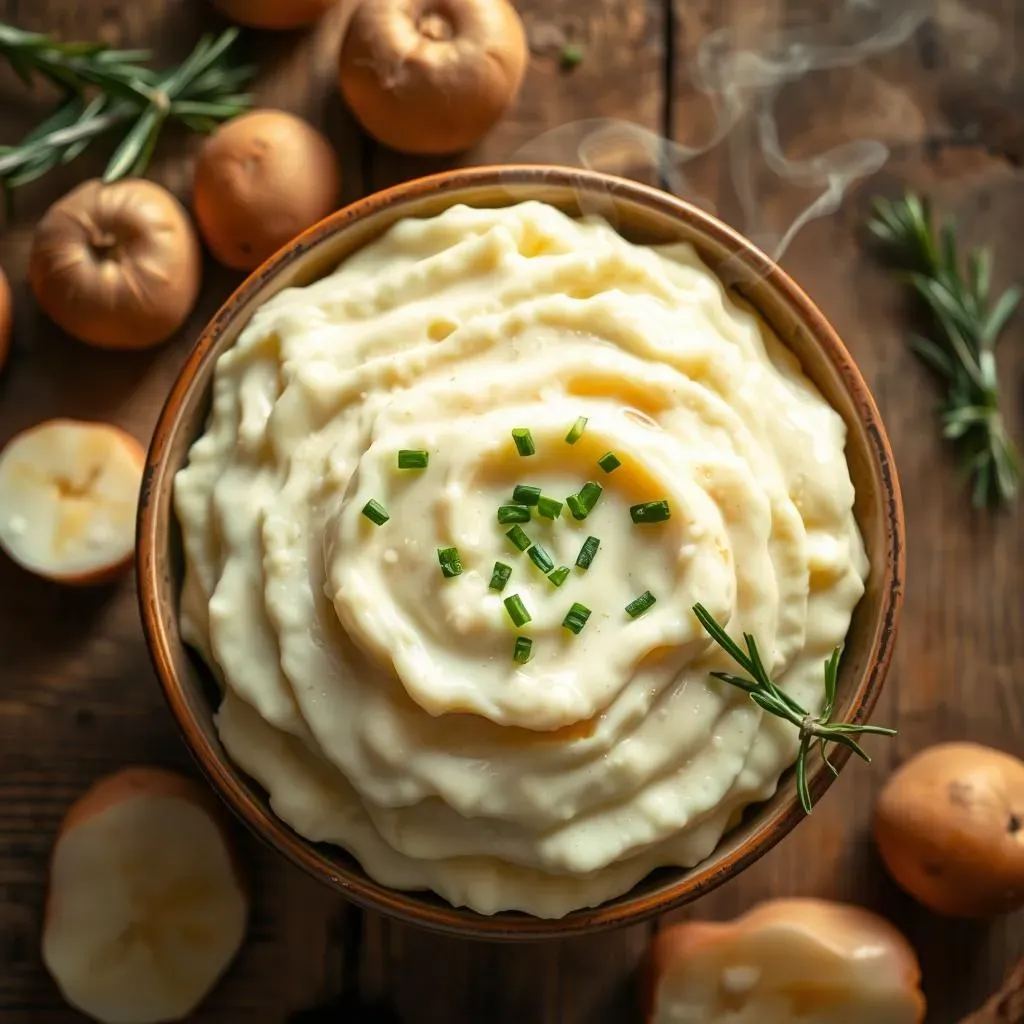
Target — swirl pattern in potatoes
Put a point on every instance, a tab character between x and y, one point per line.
372	680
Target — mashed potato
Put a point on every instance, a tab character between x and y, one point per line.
377	698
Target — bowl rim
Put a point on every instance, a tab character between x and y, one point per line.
413	907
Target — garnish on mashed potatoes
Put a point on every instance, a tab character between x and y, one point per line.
396	708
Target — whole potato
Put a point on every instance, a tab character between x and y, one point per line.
950	829
262	179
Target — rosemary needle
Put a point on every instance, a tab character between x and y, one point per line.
961	347
107	89
763	692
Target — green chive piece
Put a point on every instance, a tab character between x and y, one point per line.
499	577
413	458
451	562
549	508
650	512
587	552
582	504
570	57
609	462
518	537
524	494
524	441
576	618
637	607
517	610
589	493
576	506
513	514
523	650
541	559
376	512
559	576
576	431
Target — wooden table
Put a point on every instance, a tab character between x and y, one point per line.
78	697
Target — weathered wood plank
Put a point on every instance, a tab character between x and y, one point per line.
77	695
959	660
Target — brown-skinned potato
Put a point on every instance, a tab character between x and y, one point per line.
261	179
431	76
117	266
6	319
950	828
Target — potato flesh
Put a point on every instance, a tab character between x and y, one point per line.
778	977
68	497
145	911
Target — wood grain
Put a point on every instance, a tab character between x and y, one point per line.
960	656
77	695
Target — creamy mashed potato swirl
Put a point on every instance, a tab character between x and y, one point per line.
377	700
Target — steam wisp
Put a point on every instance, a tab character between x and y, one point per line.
740	74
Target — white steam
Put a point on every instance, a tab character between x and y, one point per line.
738	74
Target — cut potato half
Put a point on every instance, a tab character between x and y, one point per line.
145	907
68	497
800	961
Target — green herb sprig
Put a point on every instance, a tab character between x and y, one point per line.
107	89
962	349
765	694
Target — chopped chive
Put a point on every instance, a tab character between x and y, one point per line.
576	618
576	506
570	57
517	610
559	576
376	512
549	508
513	514
589	493
524	441
638	606
518	537
587	552
576	431
523	650
582	504
650	512
524	494
541	559
499	577
451	562
413	458
609	462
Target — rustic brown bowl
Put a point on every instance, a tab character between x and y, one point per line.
643	214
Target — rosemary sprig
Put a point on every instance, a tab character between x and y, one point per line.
765	694
107	89
962	352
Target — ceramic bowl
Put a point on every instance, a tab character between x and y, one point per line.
642	214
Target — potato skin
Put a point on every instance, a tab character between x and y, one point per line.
261	180
132	783
949	825
117	266
431	77
6	317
